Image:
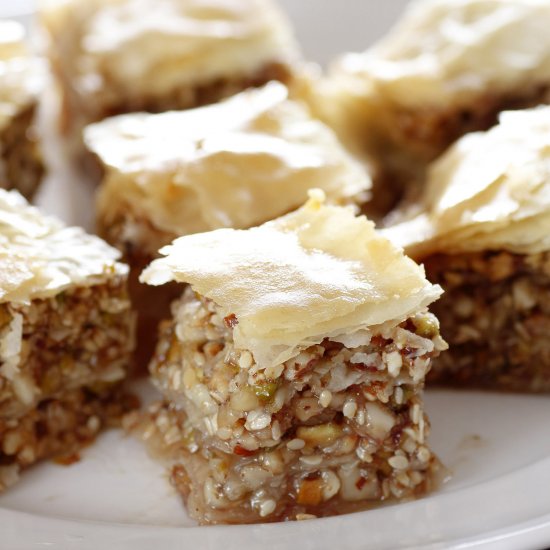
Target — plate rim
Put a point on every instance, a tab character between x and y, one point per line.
28	530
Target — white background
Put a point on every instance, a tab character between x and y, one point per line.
323	26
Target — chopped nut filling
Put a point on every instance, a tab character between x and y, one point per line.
495	314
58	428
21	165
331	430
409	140
81	336
62	363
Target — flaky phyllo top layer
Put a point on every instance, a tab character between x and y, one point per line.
238	163
40	257
446	52
319	272
491	190
150	46
20	73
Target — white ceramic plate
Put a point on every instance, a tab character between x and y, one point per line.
497	447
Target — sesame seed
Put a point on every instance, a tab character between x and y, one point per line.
408	444
224	433
162	421
198	359
172	435
350	408
331	484
245	360
12	442
177	379
399	394
267	507
303	517
276	430
404	479
415	477
363	455
415	413
257	419
313	460
27	454
189	378
423	454
394	362
24	389
325	398
398	462
296	444
93	423
421	424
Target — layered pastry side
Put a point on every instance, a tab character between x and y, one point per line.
155	55
21	78
448	67
66	335
292	370
238	163
484	236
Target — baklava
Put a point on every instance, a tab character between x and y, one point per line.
66	335
21	76
447	68
484	236
117	56
238	163
292	369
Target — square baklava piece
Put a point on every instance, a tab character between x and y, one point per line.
21	78
111	57
484	236
66	334
238	163
292	369
448	67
